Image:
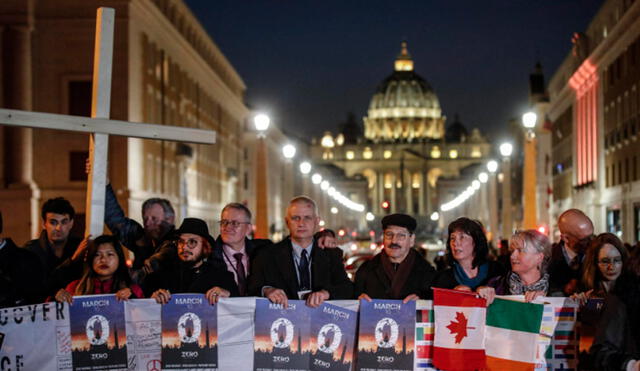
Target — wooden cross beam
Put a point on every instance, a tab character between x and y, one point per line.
99	126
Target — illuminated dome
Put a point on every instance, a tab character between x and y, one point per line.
404	106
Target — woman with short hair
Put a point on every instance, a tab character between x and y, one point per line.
530	255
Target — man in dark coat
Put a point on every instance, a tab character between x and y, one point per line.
61	254
194	273
398	272
296	267
565	267
21	275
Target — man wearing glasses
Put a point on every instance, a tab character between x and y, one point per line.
194	273
398	272
233	251
565	267
296	268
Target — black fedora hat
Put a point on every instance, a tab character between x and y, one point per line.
198	227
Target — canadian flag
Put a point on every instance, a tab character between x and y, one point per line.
459	319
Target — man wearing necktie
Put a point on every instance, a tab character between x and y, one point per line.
565	267
233	251
296	268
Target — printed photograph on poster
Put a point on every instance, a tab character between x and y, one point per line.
189	333
333	332
98	337
386	336
281	336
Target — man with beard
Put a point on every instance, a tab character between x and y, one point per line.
159	224
296	268
60	253
565	267
398	272
193	273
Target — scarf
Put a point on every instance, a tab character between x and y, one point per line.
463	279
517	287
398	273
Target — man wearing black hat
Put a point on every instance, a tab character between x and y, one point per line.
194	273
21	275
398	272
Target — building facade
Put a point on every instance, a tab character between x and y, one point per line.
595	110
403	150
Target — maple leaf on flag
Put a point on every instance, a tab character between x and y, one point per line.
458	327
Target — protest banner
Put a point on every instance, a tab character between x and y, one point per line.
386	335
333	332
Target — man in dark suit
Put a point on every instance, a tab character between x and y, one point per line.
296	268
565	267
233	251
398	272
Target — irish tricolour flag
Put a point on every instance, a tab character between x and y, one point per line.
511	333
459	330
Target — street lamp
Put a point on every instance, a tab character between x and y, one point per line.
505	150
261	123
529	204
316	178
492	166
305	167
289	151
483	177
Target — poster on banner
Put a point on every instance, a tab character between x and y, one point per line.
558	340
98	336
386	336
333	330
189	333
424	336
281	336
23	329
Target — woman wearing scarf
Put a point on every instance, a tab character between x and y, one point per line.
530	254
467	251
398	272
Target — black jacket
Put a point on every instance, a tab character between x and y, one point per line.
274	267
446	279
616	340
252	247
58	271
560	273
131	233
373	281
21	276
183	279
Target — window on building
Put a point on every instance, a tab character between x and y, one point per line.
636	222
79	98
626	170
614	222
77	166
606	176
620	172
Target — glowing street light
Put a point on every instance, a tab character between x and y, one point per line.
305	167
316	178
483	177
506	149
370	217
529	120
288	151
492	166
261	122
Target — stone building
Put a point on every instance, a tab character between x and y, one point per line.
166	70
595	110
403	151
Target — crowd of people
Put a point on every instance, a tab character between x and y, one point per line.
306	265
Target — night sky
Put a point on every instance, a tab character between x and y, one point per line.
309	63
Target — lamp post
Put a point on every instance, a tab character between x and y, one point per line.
492	166
290	178
261	123
529	203
505	150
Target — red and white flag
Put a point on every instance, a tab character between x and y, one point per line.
459	319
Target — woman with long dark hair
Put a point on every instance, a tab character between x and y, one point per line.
105	272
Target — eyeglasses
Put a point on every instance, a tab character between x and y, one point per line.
191	242
606	261
398	236
231	223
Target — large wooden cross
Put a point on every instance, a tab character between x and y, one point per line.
99	126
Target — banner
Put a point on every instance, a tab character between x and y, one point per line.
386	336
98	336
189	333
282	336
23	329
333	333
